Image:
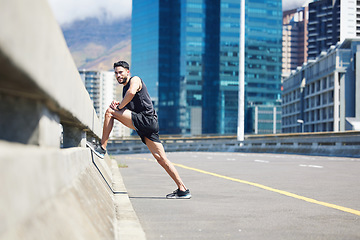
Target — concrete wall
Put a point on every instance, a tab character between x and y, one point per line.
326	143
343	144
37	67
52	186
47	193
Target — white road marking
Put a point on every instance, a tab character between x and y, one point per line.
311	166
261	161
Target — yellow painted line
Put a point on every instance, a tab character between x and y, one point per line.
344	209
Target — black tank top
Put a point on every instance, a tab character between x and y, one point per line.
141	101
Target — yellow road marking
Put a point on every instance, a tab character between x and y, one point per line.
325	204
330	205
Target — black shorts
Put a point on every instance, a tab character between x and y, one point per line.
146	126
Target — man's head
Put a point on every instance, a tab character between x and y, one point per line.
122	72
122	64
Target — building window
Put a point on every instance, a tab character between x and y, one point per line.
324	98
312	115
324	113
331	112
318	114
331	97
331	80
318	102
317	86
324	83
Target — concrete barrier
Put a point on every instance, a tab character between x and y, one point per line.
52	186
47	193
325	143
346	144
38	74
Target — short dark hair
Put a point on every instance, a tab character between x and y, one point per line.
122	64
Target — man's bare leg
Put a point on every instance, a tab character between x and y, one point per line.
158	152
124	116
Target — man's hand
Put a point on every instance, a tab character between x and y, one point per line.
114	105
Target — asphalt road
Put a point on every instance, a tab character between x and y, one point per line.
246	196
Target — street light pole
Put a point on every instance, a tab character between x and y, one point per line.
241	100
302	124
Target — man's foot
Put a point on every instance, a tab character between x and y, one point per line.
98	150
179	194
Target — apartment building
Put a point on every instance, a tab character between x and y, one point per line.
102	86
330	22
294	46
324	94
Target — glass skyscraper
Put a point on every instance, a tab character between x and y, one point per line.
263	58
145	44
187	52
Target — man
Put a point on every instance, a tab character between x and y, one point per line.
136	111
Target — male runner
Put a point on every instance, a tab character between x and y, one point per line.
136	111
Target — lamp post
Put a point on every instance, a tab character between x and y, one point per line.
241	100
302	124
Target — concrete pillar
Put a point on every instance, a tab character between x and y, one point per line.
196	123
357	83
28	121
274	120
336	102
342	103
256	122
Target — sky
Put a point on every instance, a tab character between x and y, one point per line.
67	11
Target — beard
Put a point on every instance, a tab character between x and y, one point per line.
122	80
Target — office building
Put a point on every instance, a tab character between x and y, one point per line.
263	44
324	94
102	86
294	46
330	22
187	52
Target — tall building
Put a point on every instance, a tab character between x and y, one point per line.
263	44
187	52
294	46
331	21
155	57
101	86
145	44
324	95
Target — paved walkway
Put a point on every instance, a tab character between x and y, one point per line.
247	196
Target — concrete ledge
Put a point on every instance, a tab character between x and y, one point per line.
53	194
36	63
127	223
47	192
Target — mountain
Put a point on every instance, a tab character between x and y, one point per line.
96	45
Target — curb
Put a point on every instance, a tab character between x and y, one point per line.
127	224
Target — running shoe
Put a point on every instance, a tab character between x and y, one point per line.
179	194
97	149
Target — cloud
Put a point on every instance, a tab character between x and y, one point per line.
67	11
292	4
